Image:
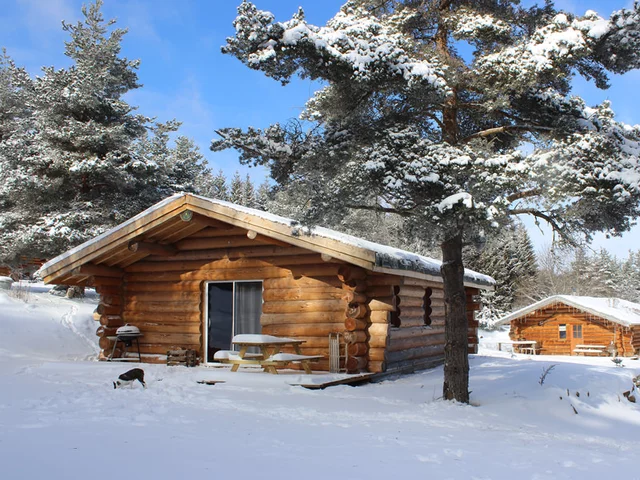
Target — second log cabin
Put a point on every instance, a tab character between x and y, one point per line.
191	272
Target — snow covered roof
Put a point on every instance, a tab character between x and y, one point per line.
613	309
369	255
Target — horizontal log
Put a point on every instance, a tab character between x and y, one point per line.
422	283
410	332
109	289
412	321
378	329
324	293
219	232
170	338
152	248
106	343
159	349
351	324
215	242
357	349
190	327
213	275
415	365
290	282
408	312
315	270
354	297
108	310
356	310
92	270
379	317
164	317
193	296
311	330
161	307
397	344
378	341
193	286
301	318
191	265
261	251
404	302
357	336
106	331
437	293
97	281
302	306
111	321
382	303
96	316
377	354
415	353
375	367
111	300
412	291
357	364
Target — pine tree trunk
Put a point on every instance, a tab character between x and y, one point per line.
456	359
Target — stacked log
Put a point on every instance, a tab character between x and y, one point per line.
356	320
108	312
381	293
472	307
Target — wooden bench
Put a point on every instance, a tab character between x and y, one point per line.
589	349
281	359
269	364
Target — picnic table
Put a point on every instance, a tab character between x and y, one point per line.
523	346
585	349
270	356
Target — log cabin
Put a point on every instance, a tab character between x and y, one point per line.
572	325
190	272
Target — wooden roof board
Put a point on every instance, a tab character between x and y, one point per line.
86	252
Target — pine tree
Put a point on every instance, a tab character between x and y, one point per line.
405	124
249	193
214	186
236	190
81	159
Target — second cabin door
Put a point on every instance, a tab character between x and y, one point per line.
232	308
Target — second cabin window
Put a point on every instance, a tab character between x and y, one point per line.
577	331
426	305
394	315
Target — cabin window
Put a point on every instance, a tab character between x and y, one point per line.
562	330
577	331
232	308
426	305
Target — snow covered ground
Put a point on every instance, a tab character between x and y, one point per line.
61	418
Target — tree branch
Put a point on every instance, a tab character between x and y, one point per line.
547	218
505	128
524	194
379	208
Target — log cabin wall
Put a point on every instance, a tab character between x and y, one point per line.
634	339
543	326
407	323
305	295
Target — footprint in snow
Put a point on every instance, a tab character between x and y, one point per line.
456	454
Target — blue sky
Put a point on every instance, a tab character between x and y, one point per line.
186	77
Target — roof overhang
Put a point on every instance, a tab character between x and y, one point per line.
68	267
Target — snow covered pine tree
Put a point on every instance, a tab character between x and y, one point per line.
406	123
75	158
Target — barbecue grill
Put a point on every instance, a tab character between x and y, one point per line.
126	335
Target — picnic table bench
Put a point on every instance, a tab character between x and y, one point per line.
522	346
585	349
269	357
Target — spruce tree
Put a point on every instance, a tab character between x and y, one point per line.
406	124
81	160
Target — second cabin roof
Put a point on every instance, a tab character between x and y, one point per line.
369	255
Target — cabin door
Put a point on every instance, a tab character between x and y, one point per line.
574	331
232	308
